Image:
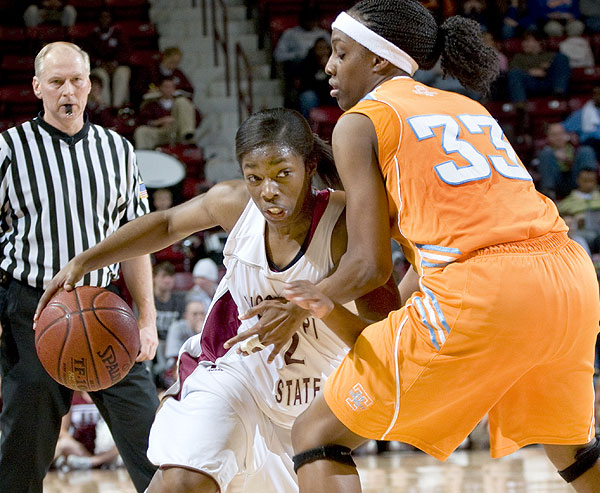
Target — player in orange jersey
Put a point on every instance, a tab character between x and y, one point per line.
506	316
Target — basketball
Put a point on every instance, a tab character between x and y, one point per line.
87	339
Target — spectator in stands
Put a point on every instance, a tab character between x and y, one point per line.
190	324
168	67
590	14
97	110
552	17
170	306
476	10
50	12
181	330
535	72
434	77
576	47
206	277
560	162
498	89
295	42
109	50
313	83
162	199
293	47
517	19
180	253
585	122
166	119
583	206
84	442
590	121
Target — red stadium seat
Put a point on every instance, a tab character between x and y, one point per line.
583	80
576	102
524	147
190	155
544	111
279	7
87	10
322	120
595	44
507	115
278	24
143	58
80	32
13	40
46	33
16	69
511	46
128	9
18	101
142	35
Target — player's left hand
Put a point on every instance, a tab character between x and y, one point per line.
279	321
148	341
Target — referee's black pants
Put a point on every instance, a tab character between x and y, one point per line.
34	404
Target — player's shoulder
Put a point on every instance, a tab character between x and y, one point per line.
226	201
230	191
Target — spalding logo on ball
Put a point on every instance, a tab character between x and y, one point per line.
87	338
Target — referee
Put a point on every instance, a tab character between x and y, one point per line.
65	185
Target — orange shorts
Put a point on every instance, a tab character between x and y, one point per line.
521	323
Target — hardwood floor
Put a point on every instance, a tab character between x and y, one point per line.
527	471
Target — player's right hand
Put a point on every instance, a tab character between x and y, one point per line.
65	279
306	295
277	323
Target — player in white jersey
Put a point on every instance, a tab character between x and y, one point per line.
231	412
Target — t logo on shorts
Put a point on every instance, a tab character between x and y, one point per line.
359	400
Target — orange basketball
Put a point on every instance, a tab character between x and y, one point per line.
87	339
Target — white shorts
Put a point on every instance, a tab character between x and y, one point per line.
218	429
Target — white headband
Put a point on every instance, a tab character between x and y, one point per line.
375	43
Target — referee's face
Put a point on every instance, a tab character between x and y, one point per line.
63	86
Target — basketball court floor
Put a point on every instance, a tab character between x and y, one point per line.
526	471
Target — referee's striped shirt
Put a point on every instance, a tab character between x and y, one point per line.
62	194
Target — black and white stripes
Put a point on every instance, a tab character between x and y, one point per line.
62	194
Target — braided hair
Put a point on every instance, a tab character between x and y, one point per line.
282	126
411	27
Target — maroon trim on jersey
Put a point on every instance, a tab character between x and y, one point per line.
320	206
187	365
221	325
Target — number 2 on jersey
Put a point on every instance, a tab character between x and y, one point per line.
478	168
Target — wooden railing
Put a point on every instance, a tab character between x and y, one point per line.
243	73
221	40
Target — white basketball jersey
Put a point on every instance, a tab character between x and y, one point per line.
284	388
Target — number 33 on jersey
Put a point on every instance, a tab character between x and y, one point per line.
504	159
455	183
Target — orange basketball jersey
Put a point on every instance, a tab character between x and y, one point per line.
455	183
